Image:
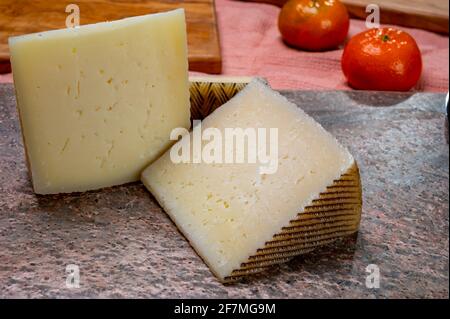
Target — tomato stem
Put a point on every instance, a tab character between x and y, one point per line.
385	38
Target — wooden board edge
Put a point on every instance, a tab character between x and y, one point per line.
434	23
438	24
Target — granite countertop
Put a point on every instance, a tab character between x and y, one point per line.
126	246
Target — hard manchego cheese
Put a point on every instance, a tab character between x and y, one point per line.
97	103
241	221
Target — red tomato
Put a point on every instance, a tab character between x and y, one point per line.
382	59
314	25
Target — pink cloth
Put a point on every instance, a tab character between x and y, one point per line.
252	46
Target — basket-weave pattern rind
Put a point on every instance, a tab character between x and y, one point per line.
334	214
208	96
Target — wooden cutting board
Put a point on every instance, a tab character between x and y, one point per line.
28	16
429	15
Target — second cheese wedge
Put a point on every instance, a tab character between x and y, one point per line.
240	220
97	103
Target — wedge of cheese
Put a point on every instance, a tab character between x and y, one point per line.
97	103
241	221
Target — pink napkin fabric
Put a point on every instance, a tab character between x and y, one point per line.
252	46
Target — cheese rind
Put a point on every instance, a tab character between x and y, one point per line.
229	211
97	103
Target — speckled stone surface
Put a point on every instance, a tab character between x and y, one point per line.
126	246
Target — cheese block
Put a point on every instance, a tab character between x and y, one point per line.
97	103
241	221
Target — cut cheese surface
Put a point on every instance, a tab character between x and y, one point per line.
97	103
229	211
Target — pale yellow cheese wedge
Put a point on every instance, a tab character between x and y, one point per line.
229	211
97	103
